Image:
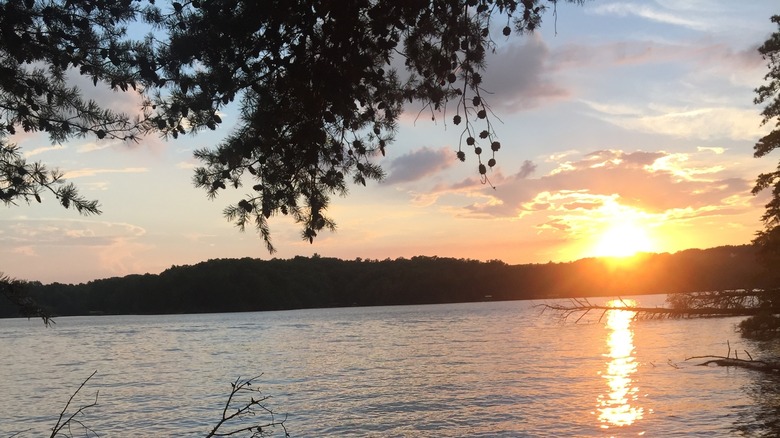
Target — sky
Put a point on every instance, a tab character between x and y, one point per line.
625	126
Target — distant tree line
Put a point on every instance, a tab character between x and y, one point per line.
233	285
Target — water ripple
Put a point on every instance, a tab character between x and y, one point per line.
481	369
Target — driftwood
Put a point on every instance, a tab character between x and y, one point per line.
750	363
742	302
715	304
757	365
583	307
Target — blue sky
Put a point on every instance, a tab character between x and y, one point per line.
625	126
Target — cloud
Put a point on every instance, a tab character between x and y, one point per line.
92	172
716	151
128	102
623	9
520	77
202	238
59	232
187	165
100	246
613	109
122	256
93	146
526	170
725	58
659	184
639	158
41	150
25	251
95	186
419	164
703	123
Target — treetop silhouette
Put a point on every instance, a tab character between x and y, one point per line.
315	83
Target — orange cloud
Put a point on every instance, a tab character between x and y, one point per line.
659	184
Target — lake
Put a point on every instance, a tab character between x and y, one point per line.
480	369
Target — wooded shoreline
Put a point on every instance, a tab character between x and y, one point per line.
232	285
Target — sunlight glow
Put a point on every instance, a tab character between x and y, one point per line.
623	240
618	407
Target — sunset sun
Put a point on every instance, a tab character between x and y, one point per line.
623	240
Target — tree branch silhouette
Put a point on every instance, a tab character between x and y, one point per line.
233	412
17	292
239	415
66	425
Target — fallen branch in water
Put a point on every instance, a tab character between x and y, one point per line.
728	361
757	365
682	305
700	304
582	307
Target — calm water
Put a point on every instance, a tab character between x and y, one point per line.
485	369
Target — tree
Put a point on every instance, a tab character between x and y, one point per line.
315	80
319	95
768	239
43	42
21	180
18	294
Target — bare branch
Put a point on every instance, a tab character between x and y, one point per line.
757	365
684	305
232	413
71	419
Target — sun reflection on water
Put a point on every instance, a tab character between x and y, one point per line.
619	406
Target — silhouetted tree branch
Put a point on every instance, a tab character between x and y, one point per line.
768	239
17	292
237	411
239	416
64	427
316	86
20	180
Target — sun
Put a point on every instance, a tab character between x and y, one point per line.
623	240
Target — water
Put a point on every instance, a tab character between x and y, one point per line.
481	369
